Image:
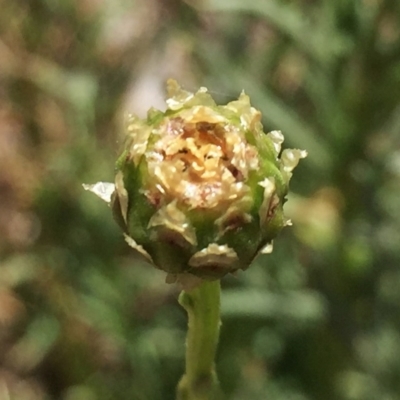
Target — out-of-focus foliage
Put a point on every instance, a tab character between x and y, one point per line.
80	317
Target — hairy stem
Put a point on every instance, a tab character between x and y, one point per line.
203	307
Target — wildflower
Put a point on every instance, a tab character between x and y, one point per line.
200	188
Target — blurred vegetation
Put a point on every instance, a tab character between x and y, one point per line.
80	317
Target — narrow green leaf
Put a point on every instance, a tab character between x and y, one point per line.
320	44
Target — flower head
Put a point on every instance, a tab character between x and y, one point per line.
200	188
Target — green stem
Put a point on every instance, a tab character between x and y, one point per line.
203	307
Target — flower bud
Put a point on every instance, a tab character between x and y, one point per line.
200	188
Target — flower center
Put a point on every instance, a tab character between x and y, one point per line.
200	164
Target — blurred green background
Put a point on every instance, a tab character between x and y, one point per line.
80	317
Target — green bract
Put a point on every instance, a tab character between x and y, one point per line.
200	188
